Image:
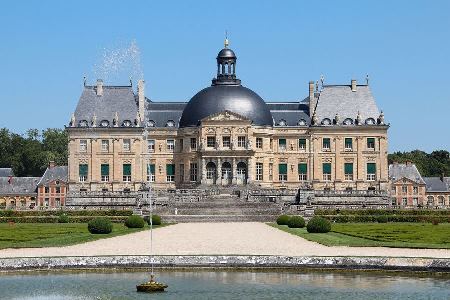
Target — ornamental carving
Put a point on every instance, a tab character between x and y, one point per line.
327	159
371	158
226	130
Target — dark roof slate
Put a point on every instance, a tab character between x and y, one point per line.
55	173
399	171
6	172
18	186
435	184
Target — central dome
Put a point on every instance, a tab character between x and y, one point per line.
226	93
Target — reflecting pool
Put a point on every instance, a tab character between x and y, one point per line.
223	285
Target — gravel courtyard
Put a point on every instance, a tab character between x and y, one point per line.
216	239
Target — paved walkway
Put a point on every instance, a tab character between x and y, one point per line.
216	239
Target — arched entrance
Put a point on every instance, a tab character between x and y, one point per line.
227	173
210	173
241	176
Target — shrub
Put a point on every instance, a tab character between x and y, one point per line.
63	218
283	220
318	225
296	222
100	225
435	221
382	219
135	222
156	220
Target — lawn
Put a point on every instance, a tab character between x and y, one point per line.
26	235
402	235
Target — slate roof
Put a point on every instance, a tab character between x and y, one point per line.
55	173
19	186
435	184
162	112
399	171
340	99
120	99
6	172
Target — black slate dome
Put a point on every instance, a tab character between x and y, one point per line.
226	93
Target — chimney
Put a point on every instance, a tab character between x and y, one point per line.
51	164
442	177
408	162
312	99
99	87
141	98
353	85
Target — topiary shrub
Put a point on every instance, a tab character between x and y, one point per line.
100	226
63	218
283	220
135	222
296	222
435	221
318	225
156	220
382	219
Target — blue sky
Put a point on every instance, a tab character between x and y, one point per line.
46	47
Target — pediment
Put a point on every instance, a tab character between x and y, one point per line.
405	180
225	115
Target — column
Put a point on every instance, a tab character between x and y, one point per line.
234	170
249	170
219	172
203	171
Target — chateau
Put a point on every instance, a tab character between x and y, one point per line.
334	139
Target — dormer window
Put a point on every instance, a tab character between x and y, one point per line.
104	123
83	123
326	122
370	121
150	123
348	121
282	122
170	123
126	123
301	122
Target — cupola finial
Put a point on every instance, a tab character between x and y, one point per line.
226	43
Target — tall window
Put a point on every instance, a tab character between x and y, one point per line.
282	172
58	189
47	189
404	189
371	143
302	144
404	201
181	173
302	172
348	171
415	190
83	172
348	144
193	172
259	171
104	172
326	171
282	144
270	171
259	143
193	144
241	141
210	142
170	145
181	144
150	146
170	172
326	145
126	172
105	145
57	202
126	145
371	171
150	172
83	145
226	141
415	201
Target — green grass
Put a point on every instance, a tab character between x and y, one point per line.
27	235
401	235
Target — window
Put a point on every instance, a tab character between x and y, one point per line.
302	172
193	144
259	143
348	171
348	144
170	123
83	145
282	172
126	145
210	171
270	171
181	145
302	144
47	201
241	141
83	172
226	141
181	173
126	123
326	171
259	171
441	200
170	172
430	200
193	172
150	146
371	143
282	144
326	143
371	171
415	190
104	172
210	142
126	172
150	172
105	145
58	190
415	201
404	201
57	202
394	190
404	189
47	189
170	145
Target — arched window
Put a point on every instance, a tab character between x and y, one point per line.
301	122
348	121
170	123
83	123
211	170
370	121
326	122
430	201
104	123
441	200
126	123
150	123
282	122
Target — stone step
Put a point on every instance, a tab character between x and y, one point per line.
231	211
217	218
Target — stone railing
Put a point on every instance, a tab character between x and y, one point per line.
357	193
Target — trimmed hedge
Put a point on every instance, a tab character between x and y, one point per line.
283	220
318	225
296	222
54	219
365	212
39	213
156	220
382	219
63	219
100	226
390	218
135	222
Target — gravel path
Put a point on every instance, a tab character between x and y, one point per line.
216	239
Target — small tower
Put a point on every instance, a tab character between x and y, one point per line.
226	67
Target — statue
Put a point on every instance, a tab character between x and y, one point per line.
314	119
381	118
137	122
358	118
72	120
94	120
337	119
116	120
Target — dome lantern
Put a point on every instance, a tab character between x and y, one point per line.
226	67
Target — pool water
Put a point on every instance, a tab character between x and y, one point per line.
223	285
